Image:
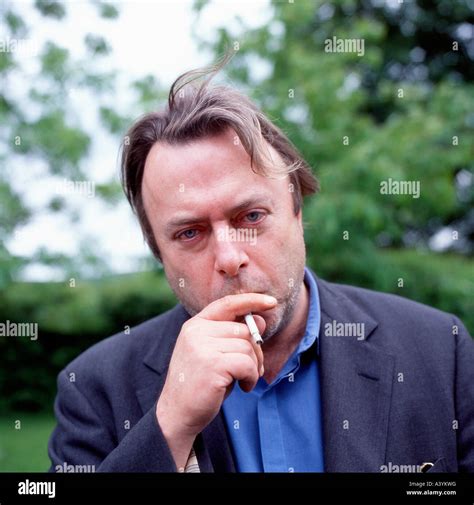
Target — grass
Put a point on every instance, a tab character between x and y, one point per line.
25	449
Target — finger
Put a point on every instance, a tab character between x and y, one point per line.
226	329
231	306
242	368
238	345
243	346
240	331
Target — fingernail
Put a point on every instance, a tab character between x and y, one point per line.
262	370
270	299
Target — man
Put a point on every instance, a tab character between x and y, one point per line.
346	379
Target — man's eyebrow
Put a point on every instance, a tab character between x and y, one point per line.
245	204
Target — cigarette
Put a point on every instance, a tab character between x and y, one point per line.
250	322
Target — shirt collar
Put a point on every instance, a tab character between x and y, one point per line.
313	322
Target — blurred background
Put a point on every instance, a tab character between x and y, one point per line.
74	75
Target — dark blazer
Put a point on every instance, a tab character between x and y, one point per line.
404	395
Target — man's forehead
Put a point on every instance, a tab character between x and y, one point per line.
203	158
192	158
184	177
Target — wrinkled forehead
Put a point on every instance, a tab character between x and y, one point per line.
213	171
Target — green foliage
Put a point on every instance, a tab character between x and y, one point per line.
107	10
15	23
54	62
149	91
114	122
51	8
111	193
40	138
12	212
97	45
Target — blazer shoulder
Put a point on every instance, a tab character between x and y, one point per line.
377	303
400	321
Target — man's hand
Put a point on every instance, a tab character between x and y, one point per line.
212	350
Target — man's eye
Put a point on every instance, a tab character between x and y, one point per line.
187	234
254	216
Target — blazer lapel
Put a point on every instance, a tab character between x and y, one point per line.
212	447
356	387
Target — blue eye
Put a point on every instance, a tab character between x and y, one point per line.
188	234
254	216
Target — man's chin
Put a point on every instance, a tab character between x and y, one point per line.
273	324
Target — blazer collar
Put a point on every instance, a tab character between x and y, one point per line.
159	355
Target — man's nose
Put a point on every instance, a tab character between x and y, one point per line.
229	252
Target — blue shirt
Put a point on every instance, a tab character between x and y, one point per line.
277	427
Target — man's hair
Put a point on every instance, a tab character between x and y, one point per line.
196	111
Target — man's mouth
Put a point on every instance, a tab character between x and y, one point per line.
263	313
246	291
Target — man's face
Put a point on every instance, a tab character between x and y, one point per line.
222	229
